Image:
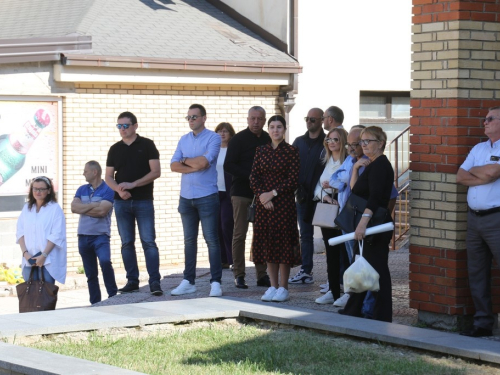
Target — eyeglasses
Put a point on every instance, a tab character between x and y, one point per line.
223	131
366	142
312	119
124	126
193	117
353	145
40	190
491	118
330	140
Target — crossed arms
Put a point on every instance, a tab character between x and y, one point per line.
480	175
94	209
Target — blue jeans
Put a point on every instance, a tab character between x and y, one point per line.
37	275
92	248
127	213
206	210
306	239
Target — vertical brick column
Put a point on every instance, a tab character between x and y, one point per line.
456	78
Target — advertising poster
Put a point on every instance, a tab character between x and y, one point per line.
28	149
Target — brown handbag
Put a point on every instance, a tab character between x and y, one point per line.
36	295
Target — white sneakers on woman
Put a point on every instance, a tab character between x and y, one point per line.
327	299
276	295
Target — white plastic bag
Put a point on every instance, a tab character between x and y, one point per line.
361	276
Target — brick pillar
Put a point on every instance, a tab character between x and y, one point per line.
456	78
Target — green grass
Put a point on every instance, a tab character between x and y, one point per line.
246	349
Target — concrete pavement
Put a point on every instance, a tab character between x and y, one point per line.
141	308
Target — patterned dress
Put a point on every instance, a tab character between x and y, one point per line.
275	233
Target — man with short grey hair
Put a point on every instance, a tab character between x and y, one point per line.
333	118
94	203
239	160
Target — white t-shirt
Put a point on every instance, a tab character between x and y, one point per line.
221	184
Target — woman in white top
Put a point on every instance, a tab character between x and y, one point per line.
335	154
41	228
226	222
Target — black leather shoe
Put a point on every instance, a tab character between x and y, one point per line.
239	282
477	332
129	288
155	289
264	281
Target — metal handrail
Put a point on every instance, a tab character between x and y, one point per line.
401	222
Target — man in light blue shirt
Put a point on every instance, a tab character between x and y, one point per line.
196	158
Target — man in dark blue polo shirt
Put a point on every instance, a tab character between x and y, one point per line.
94	203
131	168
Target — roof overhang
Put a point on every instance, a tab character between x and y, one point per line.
109	69
42	49
176	64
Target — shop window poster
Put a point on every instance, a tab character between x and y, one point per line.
28	148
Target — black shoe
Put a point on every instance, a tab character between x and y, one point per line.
477	332
129	288
264	281
155	289
239	282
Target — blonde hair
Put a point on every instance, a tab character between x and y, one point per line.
342	140
377	132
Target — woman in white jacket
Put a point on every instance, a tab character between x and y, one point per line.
335	154
41	233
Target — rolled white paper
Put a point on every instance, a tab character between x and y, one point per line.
373	230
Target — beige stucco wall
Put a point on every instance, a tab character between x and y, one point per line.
348	46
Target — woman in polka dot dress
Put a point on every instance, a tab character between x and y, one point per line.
274	179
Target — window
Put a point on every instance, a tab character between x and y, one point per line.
388	109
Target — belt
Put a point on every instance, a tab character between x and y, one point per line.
484	212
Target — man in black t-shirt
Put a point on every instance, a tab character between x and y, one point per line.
131	167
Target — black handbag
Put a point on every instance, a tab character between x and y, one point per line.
251	211
349	217
36	295
301	194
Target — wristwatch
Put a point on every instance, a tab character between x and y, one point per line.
275	193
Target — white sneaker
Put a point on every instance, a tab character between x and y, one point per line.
184	288
323	286
325	290
281	295
215	290
269	294
342	301
327	299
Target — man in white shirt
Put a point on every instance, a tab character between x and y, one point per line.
481	172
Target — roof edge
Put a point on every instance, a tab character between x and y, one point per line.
178	64
42	49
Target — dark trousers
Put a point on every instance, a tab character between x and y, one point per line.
226	226
376	252
483	244
334	256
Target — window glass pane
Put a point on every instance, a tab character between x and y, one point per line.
400	107
372	107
